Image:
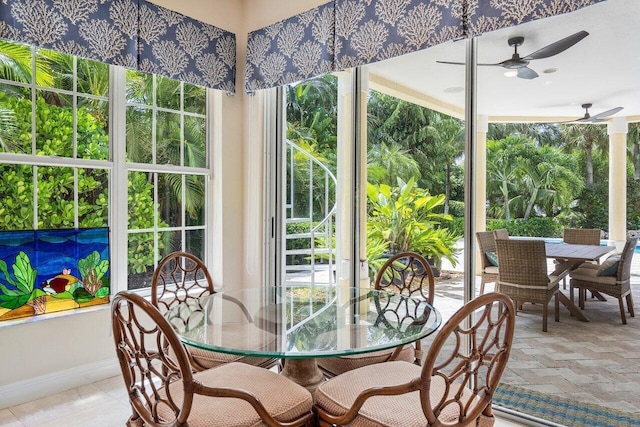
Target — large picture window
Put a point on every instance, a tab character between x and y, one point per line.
58	134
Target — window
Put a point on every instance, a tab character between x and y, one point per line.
166	164
57	164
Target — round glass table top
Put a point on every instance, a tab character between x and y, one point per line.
302	321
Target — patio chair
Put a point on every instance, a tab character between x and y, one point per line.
487	245
579	236
612	277
163	390
523	275
452	388
407	273
500	233
182	277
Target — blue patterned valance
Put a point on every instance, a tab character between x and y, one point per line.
490	15
182	48
104	31
132	33
370	31
367	31
294	49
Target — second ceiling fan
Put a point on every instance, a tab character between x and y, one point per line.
520	64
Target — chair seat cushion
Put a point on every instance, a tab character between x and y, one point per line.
210	359
338	394
590	274
338	365
492	270
282	398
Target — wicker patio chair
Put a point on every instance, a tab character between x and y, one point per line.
580	236
487	246
407	273
182	277
500	233
452	388
523	275
607	278
163	390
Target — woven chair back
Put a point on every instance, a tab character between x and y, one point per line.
500	233
523	262
138	328
624	266
407	273
491	336
581	236
486	243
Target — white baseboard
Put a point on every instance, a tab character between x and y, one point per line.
56	382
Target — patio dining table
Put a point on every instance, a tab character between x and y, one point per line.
569	257
302	322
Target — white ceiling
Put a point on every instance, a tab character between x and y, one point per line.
602	69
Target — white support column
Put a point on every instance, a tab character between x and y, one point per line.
617	129
481	182
365	282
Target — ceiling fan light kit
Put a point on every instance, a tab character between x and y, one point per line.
520	64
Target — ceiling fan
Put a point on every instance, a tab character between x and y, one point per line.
520	64
600	117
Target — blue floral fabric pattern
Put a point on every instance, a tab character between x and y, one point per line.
368	31
490	15
373	30
175	46
99	30
294	49
132	33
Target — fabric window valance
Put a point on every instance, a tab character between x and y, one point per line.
294	49
368	31
131	33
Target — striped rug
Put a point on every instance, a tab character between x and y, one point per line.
561	411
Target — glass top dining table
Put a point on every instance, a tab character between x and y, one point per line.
302	322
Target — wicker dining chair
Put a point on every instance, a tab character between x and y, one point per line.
163	390
524	277
182	277
501	233
453	387
579	236
487	246
406	273
607	278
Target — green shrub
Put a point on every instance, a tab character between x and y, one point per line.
533	227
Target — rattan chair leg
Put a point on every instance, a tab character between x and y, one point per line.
545	310
630	305
622	315
557	308
482	286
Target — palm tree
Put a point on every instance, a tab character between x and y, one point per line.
448	134
385	164
502	168
633	146
586	137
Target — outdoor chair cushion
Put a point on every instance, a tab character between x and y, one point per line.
492	257
283	399
589	274
492	270
610	266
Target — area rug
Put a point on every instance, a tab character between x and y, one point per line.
561	411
